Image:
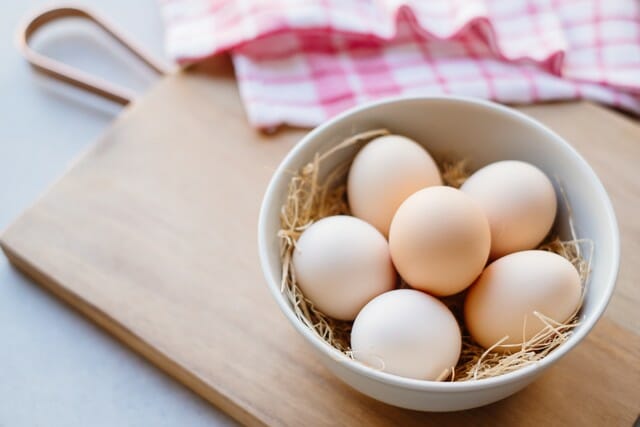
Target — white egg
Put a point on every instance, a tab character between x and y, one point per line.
504	300
408	333
384	173
341	263
519	202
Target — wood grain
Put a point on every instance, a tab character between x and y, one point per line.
152	235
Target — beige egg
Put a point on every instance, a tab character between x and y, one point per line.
341	263
408	333
383	174
503	300
439	240
519	201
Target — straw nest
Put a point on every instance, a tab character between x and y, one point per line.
311	198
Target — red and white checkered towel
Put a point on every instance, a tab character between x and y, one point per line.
302	61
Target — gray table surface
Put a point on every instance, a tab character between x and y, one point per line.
56	368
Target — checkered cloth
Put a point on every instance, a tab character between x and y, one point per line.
302	61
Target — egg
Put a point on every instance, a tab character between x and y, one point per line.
503	300
383	174
408	333
340	263
519	201
439	240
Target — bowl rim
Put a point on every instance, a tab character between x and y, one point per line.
424	385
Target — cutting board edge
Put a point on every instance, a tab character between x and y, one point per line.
124	335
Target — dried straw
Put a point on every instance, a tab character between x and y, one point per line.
309	199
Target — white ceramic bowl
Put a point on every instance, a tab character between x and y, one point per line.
482	132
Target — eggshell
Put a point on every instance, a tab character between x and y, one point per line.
503	299
519	201
383	174
407	333
439	240
341	263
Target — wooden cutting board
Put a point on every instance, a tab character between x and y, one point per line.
152	235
